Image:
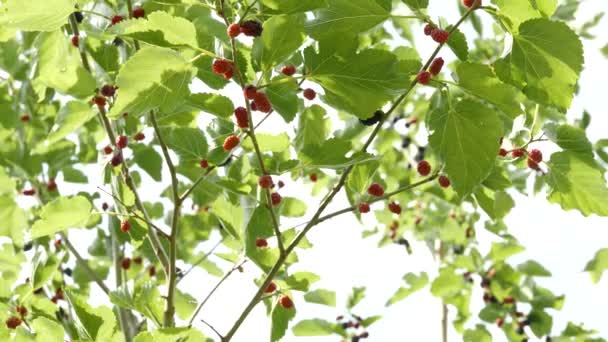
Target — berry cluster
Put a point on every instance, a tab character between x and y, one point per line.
353	327
260	101
424	76
535	156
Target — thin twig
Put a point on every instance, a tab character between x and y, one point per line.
84	265
212	328
199	261
219	283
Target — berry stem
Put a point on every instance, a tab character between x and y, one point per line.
236	266
169	319
84	265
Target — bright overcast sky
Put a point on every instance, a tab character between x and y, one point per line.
561	241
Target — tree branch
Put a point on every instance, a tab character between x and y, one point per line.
279	263
84	265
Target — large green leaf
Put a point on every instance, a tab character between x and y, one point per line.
518	11
282	36
569	138
153	78
313	127
480	80
320	296
72	116
36	15
546	61
190	144
364	82
346	17
447	284
467	139
99	323
293	6
577	182
159	28
212	103
314	327
149	160
60	66
598	265
415	283
260	226
60	214
13	218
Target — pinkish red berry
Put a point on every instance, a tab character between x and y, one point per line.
394	208
533	165
139	136
424	77
116	19
364	207
470	3
139	12
444	181
428	29
261	243
107	150
221	66
310	94
240	113
125	263
100	101
436	66
13	322
29	192
108	90
440	36
204	163
502	152
499	321
231	142
271	287
25	117
375	190
424	168
125	226
313	177
265	182
262	102
75	40
288	70
275	198
116	160
233	30
51	185
520	152
122	141
286	302
536	155
250	92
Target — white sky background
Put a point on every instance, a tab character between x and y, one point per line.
561	241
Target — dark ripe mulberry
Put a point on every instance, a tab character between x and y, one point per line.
79	17
251	28
374	119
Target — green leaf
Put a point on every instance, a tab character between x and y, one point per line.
260	226
517	11
36	15
415	283
215	104
269	142
447	284
480	80
185	304
546	60
496	204
502	250
159	28
153	78
345	17
330	154
417	4
569	138
577	182
293	6
43	270
171	335
480	334
71	117
598	265
280	321
14	220
230	215
457	42
467	139
11	259
60	214
324	297
148	159
292	207
301	281
284	97
314	327
60	67
355	297
190	144
534	269
99	323
364	82
47	330
313	127
7	184
281	37
540	323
